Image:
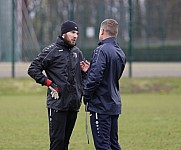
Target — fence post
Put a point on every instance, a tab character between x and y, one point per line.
130	39
13	40
71	16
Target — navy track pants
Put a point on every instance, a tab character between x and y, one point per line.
105	131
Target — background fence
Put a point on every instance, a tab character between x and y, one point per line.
149	30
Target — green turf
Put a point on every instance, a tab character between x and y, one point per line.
128	86
150	120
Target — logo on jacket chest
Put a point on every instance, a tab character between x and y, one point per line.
74	55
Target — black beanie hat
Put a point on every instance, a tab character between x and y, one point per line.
68	26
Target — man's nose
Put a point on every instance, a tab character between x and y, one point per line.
76	36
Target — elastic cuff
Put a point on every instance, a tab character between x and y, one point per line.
48	82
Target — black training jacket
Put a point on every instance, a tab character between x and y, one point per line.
61	64
102	84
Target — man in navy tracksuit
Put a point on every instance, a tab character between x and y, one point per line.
101	91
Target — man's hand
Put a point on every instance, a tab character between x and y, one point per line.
84	65
54	89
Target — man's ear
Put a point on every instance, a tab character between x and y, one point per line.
102	31
63	36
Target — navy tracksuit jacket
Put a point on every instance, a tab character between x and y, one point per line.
102	84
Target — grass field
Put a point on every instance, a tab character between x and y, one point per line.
150	119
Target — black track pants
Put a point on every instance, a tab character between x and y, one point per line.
61	124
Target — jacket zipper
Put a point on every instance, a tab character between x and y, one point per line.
69	65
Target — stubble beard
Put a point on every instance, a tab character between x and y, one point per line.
70	41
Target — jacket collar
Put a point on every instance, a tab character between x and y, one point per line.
108	40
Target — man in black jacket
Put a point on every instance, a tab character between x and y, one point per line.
61	63
101	91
